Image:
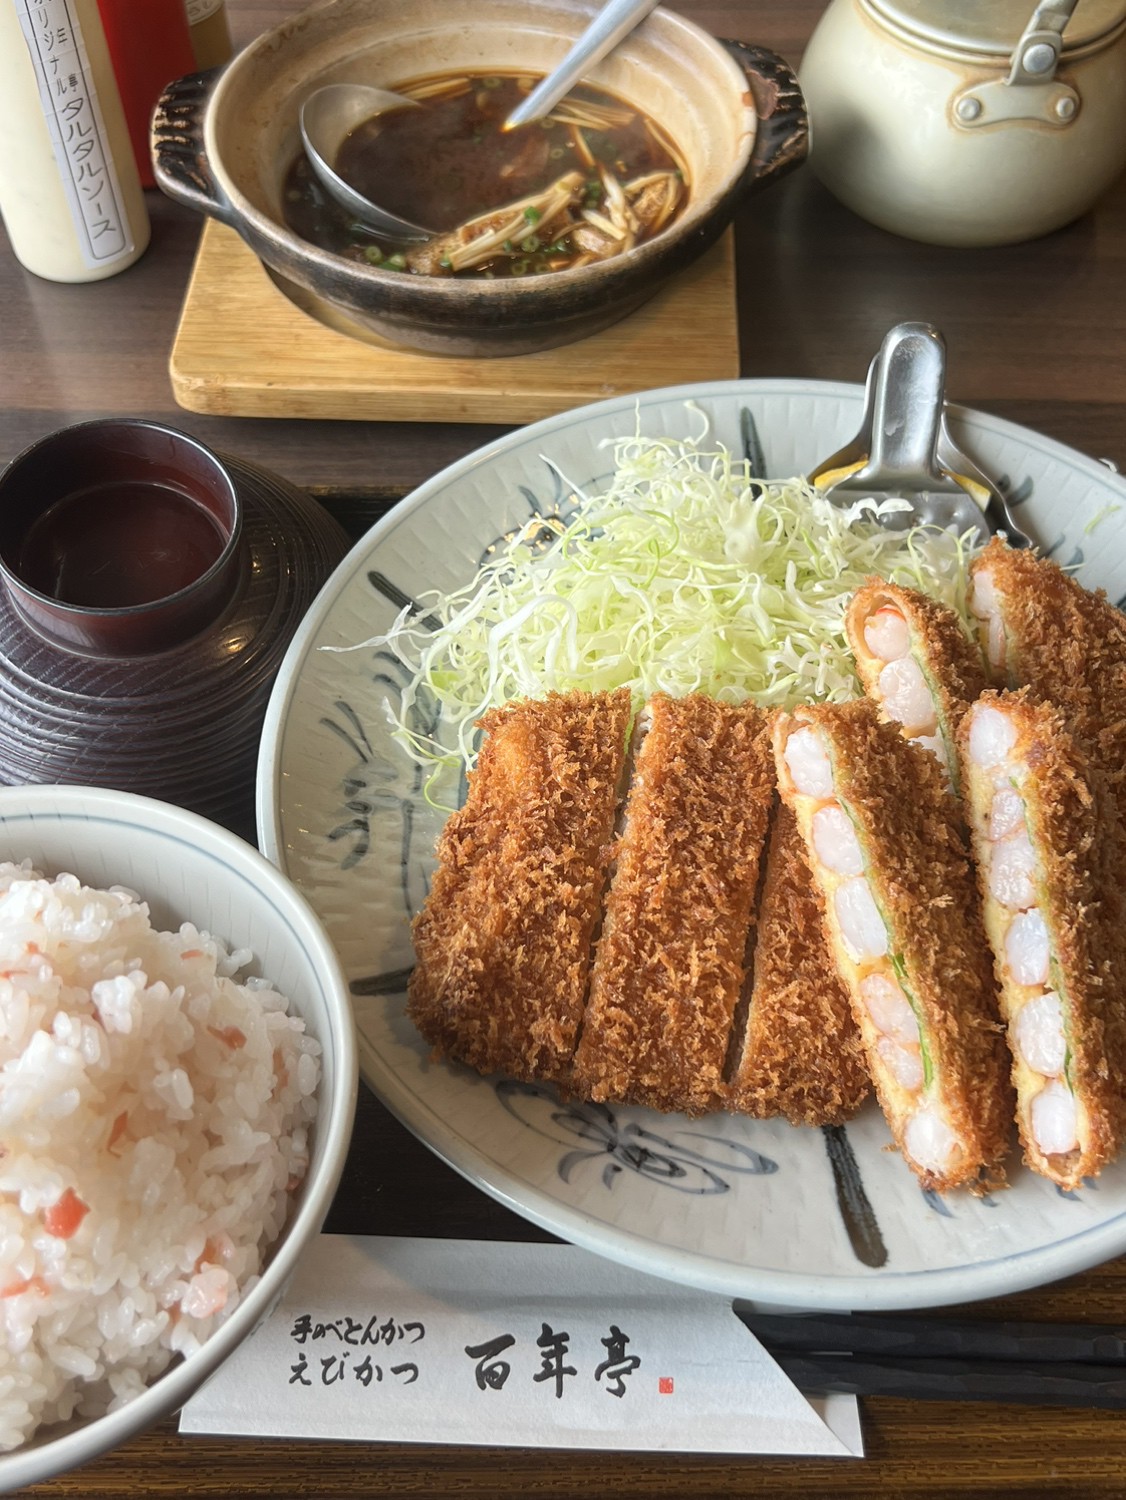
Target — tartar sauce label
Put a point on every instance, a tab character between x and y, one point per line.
78	135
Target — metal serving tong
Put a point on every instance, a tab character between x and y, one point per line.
904	449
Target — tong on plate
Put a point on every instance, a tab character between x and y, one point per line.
904	449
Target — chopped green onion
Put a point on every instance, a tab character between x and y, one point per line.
373	254
396	262
532	215
445	262
508	247
531	244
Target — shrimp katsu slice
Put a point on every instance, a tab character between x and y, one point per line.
883	837
1049	853
1041	629
799	1054
669	966
917	663
504	941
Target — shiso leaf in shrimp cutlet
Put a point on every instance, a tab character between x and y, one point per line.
917	663
884	839
1043	630
1049	847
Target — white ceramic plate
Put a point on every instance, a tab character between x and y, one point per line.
764	1211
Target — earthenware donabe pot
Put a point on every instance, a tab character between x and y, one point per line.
222	143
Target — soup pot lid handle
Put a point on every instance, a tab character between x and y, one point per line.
782	137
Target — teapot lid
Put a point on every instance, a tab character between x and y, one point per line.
993	28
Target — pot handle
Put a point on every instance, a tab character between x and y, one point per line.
782	138
176	136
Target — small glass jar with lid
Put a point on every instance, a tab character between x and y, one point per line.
963	123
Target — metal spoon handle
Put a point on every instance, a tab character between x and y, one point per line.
603	34
907	403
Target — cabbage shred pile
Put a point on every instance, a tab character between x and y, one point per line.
687	574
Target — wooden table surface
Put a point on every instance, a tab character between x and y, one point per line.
1036	333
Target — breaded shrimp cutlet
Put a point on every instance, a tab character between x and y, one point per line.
917	663
669	964
1049	847
503	942
884	839
1041	629
800	1053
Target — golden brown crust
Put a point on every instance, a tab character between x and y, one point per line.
801	1054
669	963
1068	644
951	662
909	826
1077	835
503	942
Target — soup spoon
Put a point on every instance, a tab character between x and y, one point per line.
327	116
610	25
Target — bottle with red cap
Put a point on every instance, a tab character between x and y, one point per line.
150	44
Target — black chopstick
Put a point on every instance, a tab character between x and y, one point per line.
911	1337
944	1359
1062	1384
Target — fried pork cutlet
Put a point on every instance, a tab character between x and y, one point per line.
800	1053
1048	843
669	965
503	943
884	841
917	663
1041	629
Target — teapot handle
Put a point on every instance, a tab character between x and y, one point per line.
782	137
180	163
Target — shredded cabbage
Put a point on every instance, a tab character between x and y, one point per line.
686	574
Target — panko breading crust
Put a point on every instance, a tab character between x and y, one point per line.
503	942
1078	837
801	1054
669	964
1068	644
951	662
909	825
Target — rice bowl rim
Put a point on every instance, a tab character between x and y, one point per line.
147	822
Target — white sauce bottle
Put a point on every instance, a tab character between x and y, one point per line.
70	195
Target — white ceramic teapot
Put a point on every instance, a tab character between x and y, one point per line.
968	122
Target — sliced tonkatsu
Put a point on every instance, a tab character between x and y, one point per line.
669	964
1043	630
917	663
884	840
797	1053
1048	843
504	941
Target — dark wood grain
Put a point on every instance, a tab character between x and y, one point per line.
1037	334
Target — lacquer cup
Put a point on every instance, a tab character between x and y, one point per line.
100	525
139	642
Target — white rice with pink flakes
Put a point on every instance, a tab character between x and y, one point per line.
154	1116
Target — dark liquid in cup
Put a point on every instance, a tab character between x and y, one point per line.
119	544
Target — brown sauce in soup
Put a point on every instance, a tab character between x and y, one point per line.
594	178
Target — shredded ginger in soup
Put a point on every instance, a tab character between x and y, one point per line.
589	182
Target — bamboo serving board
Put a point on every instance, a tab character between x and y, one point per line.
243	348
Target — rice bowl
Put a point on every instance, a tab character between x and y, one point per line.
157	1111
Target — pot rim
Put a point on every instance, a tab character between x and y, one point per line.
455	290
